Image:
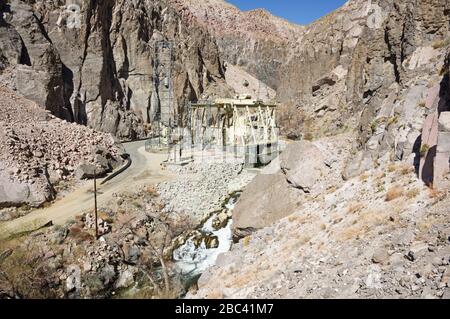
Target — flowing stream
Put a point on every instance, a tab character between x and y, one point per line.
192	258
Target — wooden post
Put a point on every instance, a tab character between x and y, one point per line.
95	205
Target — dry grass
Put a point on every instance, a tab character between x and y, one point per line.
151	190
412	193
302	239
373	217
352	232
392	168
406	169
364	177
246	241
331	189
439	44
300	219
394	193
355	207
361	226
425	224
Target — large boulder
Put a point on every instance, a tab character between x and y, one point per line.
265	200
14	193
89	171
303	164
278	191
357	164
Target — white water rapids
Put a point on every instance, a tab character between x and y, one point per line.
192	261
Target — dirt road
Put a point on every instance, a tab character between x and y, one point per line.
144	170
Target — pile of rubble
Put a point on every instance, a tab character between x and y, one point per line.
103	226
39	150
202	188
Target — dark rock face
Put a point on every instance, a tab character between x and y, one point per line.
39	69
92	62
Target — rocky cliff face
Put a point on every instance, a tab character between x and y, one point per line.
255	40
376	66
92	62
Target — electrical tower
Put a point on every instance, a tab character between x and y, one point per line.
163	115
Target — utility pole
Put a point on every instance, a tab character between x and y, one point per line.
95	205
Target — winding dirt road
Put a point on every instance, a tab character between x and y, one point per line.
145	169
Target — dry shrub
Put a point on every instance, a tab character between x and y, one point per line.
303	239
355	207
79	235
246	241
392	168
299	219
413	193
331	189
25	274
352	232
406	169
362	226
394	193
364	177
151	190
425	224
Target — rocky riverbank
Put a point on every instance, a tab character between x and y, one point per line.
202	188
133	256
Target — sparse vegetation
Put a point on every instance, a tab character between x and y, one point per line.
439	44
392	168
364	177
381	189
392	120
412	193
394	193
355	207
246	241
374	126
137	205
424	150
151	190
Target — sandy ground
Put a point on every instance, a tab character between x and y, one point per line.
144	170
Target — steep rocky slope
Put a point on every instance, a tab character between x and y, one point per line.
377	66
39	150
92	62
255	40
383	234
356	225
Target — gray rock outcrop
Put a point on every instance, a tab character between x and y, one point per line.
280	188
92	62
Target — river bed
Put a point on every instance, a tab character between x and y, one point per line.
192	259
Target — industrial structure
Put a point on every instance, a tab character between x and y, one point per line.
241	128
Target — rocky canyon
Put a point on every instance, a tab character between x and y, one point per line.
354	206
